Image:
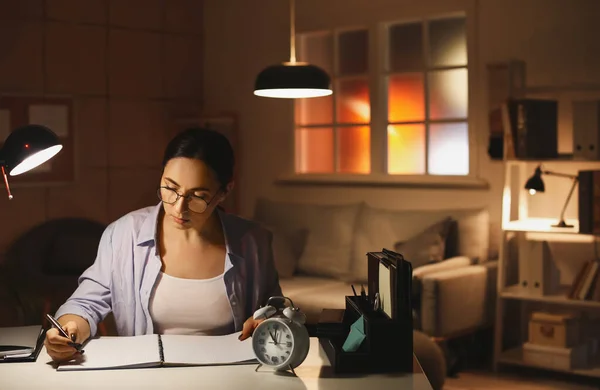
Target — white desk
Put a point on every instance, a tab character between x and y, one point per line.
314	374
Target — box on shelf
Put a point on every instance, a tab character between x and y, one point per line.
556	357
554	330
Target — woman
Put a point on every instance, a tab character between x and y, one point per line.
183	266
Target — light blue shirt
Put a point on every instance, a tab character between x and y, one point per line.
128	264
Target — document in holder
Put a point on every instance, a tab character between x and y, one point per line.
154	350
385	289
20	343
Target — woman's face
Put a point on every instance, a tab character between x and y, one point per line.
199	189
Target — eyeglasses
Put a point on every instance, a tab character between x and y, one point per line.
194	203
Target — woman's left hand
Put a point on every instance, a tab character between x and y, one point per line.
249	327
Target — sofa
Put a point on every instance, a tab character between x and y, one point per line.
320	252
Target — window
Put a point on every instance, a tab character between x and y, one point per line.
427	130
423	80
333	133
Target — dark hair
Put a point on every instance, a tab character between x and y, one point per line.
206	145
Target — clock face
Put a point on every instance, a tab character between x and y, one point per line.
273	343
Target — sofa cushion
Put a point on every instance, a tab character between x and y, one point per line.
330	230
313	294
427	246
379	228
287	247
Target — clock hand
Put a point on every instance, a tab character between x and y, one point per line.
273	338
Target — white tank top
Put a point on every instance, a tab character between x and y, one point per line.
191	306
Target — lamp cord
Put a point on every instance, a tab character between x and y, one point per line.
292	32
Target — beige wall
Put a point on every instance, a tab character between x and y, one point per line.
557	39
132	68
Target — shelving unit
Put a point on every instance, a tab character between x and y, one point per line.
560	298
514	356
519	222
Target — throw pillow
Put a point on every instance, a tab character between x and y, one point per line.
428	246
285	255
380	228
330	230
329	242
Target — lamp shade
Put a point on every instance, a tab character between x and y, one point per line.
535	182
292	81
27	147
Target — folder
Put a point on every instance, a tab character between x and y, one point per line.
21	343
390	276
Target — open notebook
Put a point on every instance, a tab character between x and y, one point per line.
20	343
155	350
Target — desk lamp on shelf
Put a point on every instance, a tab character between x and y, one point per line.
536	184
26	148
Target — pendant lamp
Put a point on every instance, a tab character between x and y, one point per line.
293	79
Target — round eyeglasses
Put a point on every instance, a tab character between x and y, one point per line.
194	203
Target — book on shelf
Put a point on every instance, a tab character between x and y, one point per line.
530	128
589	201
497	140
586	285
155	350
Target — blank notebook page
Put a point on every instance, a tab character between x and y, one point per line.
117	352
206	350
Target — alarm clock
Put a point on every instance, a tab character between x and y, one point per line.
281	341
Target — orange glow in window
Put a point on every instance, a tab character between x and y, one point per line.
354	149
406	98
353	102
314	150
406	149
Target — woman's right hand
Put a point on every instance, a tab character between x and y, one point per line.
58	346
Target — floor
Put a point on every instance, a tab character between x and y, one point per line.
507	381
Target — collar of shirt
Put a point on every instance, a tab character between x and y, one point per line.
148	235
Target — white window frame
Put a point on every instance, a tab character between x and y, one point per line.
378	54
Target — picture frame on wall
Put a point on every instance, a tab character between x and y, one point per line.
226	124
56	113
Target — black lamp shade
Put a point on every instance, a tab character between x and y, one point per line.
535	182
27	147
292	81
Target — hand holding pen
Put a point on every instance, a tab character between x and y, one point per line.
57	347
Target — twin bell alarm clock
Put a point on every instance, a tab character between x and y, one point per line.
281	341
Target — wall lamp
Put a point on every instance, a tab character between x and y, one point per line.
26	148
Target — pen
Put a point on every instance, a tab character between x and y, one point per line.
353	290
55	323
363	294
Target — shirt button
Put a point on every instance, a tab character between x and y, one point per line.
233	303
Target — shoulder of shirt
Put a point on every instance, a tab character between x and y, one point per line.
244	225
131	222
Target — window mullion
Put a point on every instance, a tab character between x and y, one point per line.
427	60
334	127
378	97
